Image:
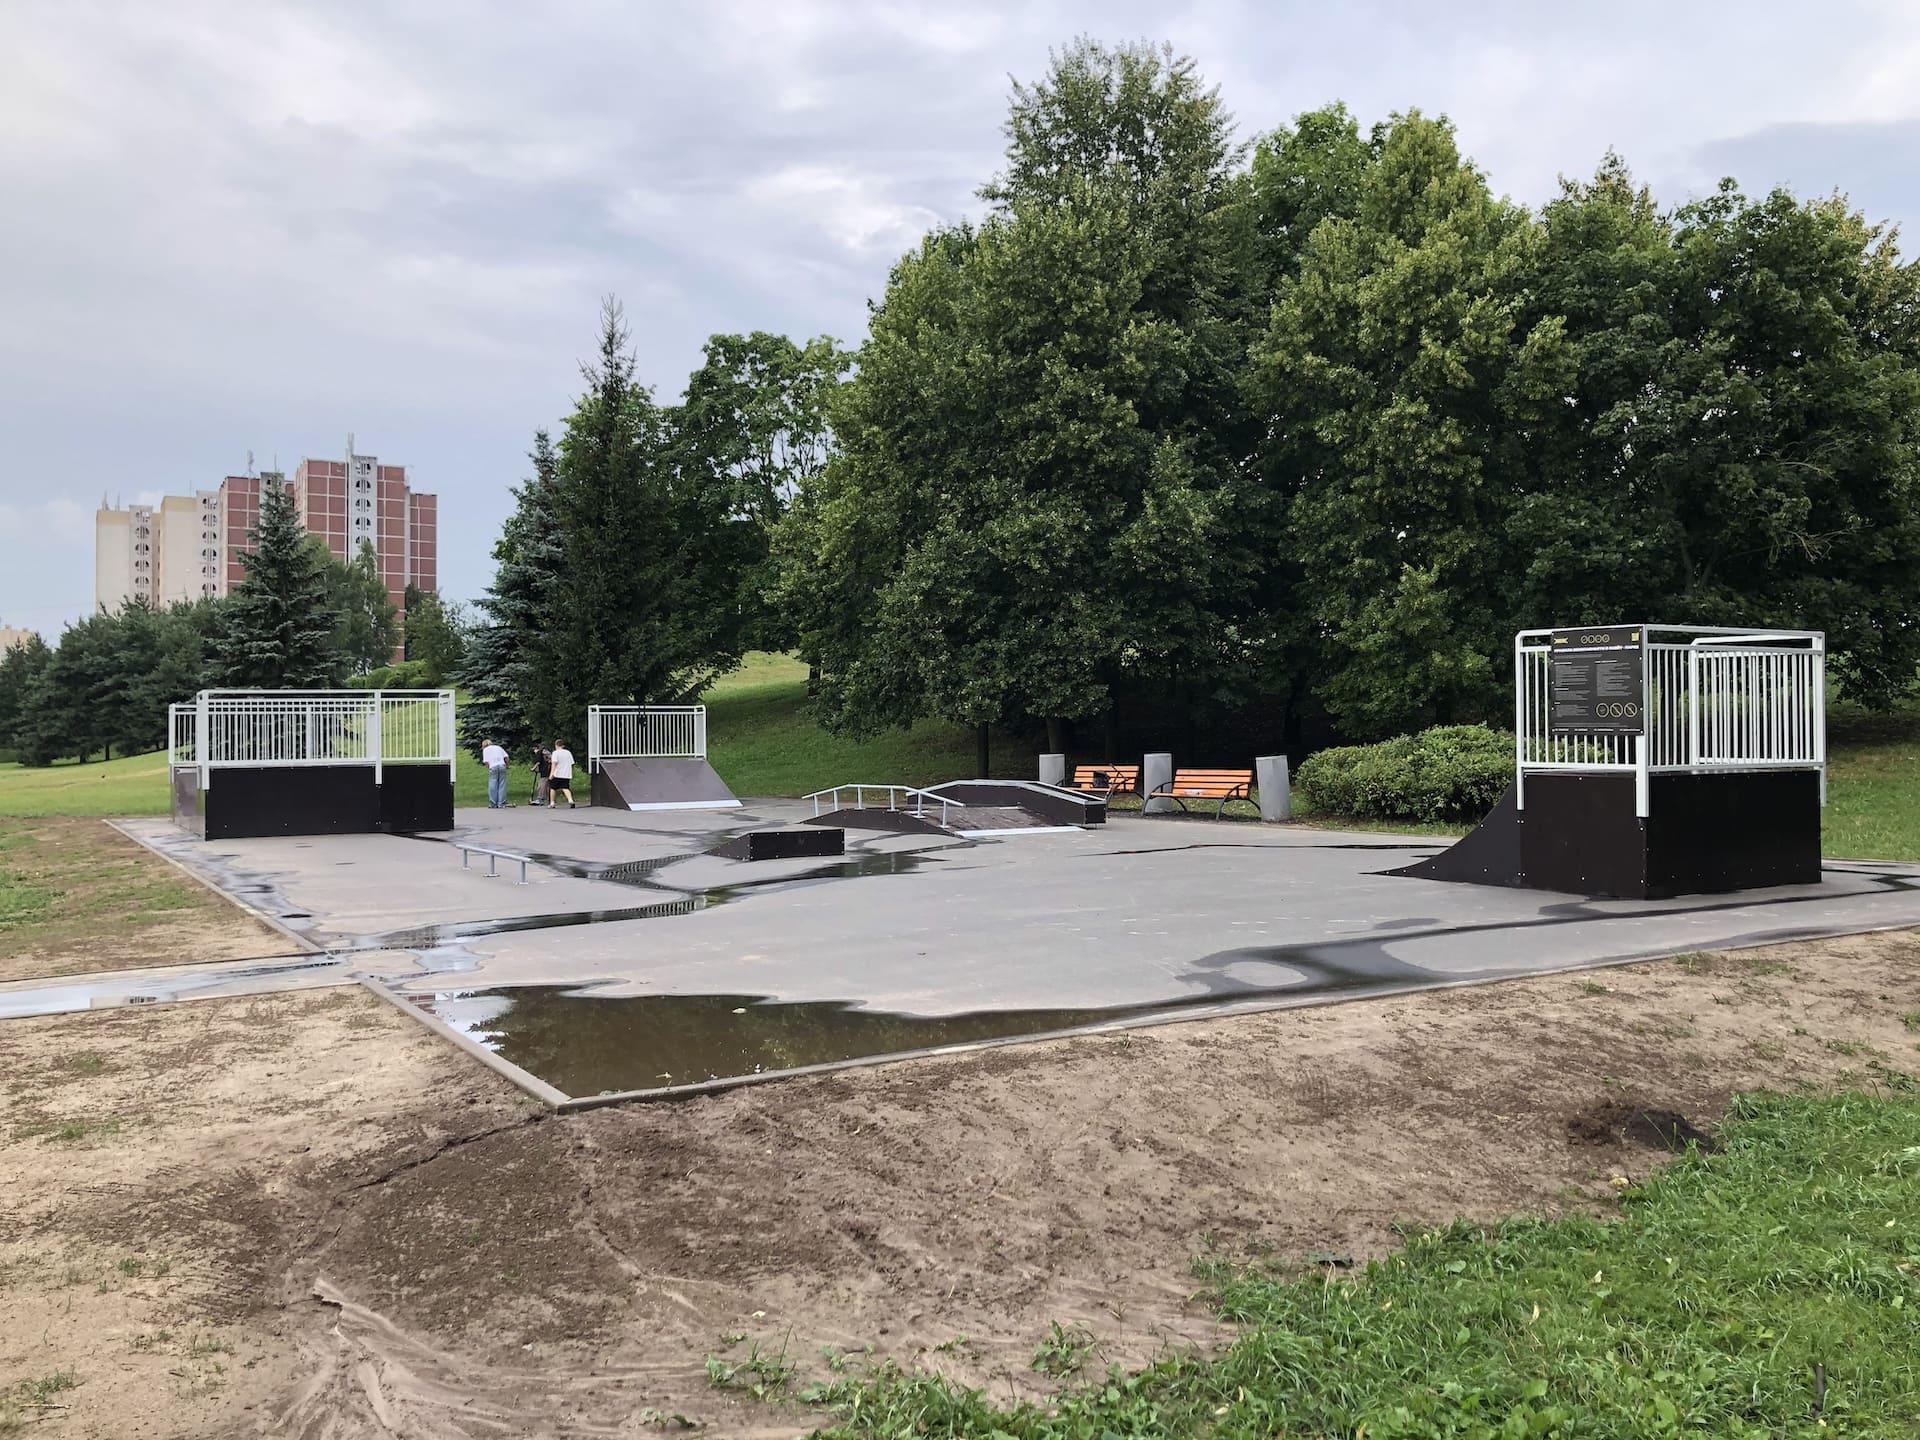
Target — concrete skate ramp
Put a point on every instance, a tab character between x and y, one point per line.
660	785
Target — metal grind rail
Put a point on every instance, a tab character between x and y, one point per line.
825	801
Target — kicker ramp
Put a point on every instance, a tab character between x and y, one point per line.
658	784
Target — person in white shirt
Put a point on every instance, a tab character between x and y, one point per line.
495	759
560	781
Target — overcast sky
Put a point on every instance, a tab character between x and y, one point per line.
261	227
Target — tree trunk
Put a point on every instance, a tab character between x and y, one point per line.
1056	735
984	759
1109	741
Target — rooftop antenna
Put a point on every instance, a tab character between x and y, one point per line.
250	469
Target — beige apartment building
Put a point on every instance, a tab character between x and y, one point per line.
188	547
10	637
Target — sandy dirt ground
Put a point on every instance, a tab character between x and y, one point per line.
307	1217
77	895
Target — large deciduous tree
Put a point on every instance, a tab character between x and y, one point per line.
1397	379
1737	439
369	621
754	424
1034	495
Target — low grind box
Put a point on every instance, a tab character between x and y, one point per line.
1597	681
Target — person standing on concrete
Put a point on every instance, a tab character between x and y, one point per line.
561	782
542	768
495	759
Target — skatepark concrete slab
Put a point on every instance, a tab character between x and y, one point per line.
1140	912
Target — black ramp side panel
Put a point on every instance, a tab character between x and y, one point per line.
1579	835
1737	831
791	844
291	800
660	785
1489	854
415	798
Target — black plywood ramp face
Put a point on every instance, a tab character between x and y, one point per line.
1705	834
792	844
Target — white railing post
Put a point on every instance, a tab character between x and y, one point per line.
593	738
700	732
1693	705
447	740
202	703
1519	724
1819	688
374	746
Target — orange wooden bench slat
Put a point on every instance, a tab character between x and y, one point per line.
1221	785
1106	777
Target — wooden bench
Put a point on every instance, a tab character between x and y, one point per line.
1216	785
1105	779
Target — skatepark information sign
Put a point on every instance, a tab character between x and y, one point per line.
1597	681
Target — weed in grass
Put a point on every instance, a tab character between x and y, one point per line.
1911	1019
41	1391
1767	1049
762	1375
1064	1351
1849	1048
666	1419
1727	1284
133	1267
85	1062
69	1131
1594	987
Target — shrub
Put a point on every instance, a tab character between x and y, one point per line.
1449	773
407	675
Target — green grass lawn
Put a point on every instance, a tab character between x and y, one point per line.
1766	1291
762	743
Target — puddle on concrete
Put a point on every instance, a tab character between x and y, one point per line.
588	1043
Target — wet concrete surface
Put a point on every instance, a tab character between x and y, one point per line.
1139	916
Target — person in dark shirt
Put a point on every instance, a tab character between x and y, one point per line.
542	773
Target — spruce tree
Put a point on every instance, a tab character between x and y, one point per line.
506	653
646	607
282	622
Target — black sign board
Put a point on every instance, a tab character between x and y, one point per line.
1597	682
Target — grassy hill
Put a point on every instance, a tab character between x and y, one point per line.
757	737
761	741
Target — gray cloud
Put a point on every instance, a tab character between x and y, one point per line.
259	228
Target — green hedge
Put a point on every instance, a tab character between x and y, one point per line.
1452	772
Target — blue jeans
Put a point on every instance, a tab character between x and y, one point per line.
497	787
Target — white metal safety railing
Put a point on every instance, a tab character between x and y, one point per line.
1715	699
646	732
918	802
233	729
